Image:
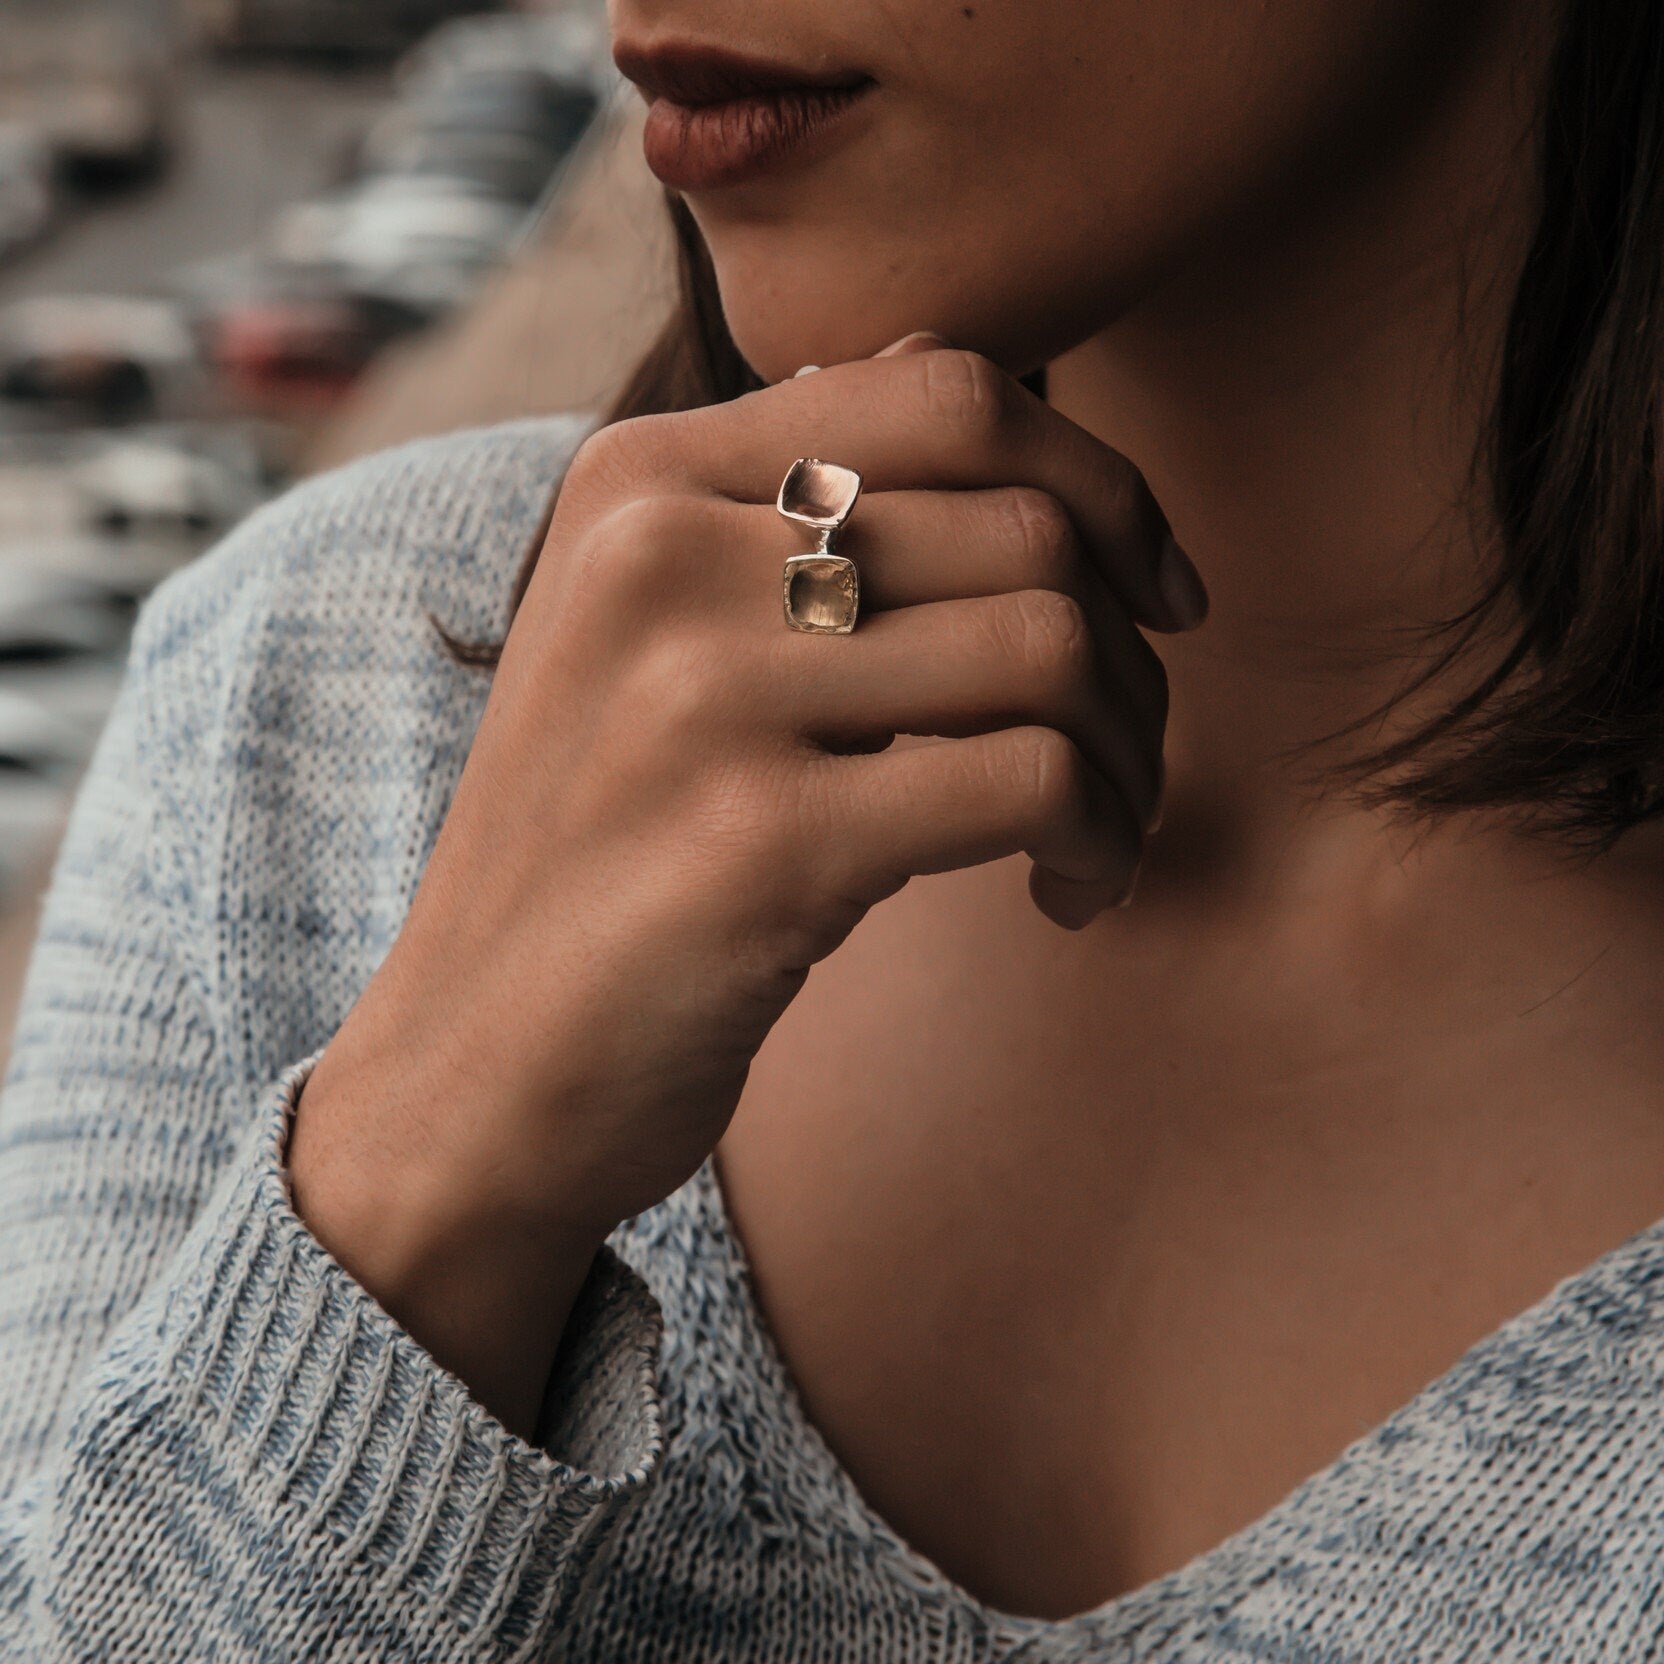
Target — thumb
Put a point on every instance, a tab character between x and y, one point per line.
921	340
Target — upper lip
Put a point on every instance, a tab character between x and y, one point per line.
686	72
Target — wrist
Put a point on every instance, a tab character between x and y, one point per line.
483	1282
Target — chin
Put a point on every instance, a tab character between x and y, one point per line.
786	312
822	300
777	342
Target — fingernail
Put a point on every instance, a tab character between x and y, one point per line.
1132	884
1161	804
921	340
808	369
1181	586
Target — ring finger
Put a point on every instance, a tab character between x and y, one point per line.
963	667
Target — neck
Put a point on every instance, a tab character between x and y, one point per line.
1308	410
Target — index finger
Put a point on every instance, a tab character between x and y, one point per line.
939	420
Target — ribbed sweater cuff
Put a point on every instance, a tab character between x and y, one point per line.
322	1409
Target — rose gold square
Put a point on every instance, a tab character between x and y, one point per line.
819	494
821	594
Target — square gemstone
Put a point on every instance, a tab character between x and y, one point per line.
820	494
821	592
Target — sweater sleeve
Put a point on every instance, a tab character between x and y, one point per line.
213	1443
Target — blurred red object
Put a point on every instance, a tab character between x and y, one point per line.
295	357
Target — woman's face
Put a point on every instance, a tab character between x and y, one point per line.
1024	171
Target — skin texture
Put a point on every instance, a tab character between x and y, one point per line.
1162	1209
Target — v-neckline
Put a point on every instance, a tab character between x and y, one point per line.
1212	1581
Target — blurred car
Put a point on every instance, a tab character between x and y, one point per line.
506	130
504	165
107	356
297	348
121	572
95	80
415	241
28	187
154	488
114	516
329	26
49	615
78	692
36	737
572	45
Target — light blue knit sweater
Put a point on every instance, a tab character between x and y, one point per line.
214	1445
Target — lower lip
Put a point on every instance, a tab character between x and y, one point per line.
700	147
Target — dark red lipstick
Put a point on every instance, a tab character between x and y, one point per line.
717	117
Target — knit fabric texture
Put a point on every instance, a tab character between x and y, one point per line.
215	1445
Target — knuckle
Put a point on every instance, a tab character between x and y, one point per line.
750	811
965	390
627	546
615	457
644	523
680	680
840	862
600	461
1051	635
649	546
1052	770
799	901
1045	535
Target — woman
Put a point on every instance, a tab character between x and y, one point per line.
445	1219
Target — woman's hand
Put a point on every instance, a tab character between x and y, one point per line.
675	805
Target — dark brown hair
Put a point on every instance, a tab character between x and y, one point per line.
1564	732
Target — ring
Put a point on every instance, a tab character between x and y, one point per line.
820	591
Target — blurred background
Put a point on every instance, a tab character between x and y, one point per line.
245	240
